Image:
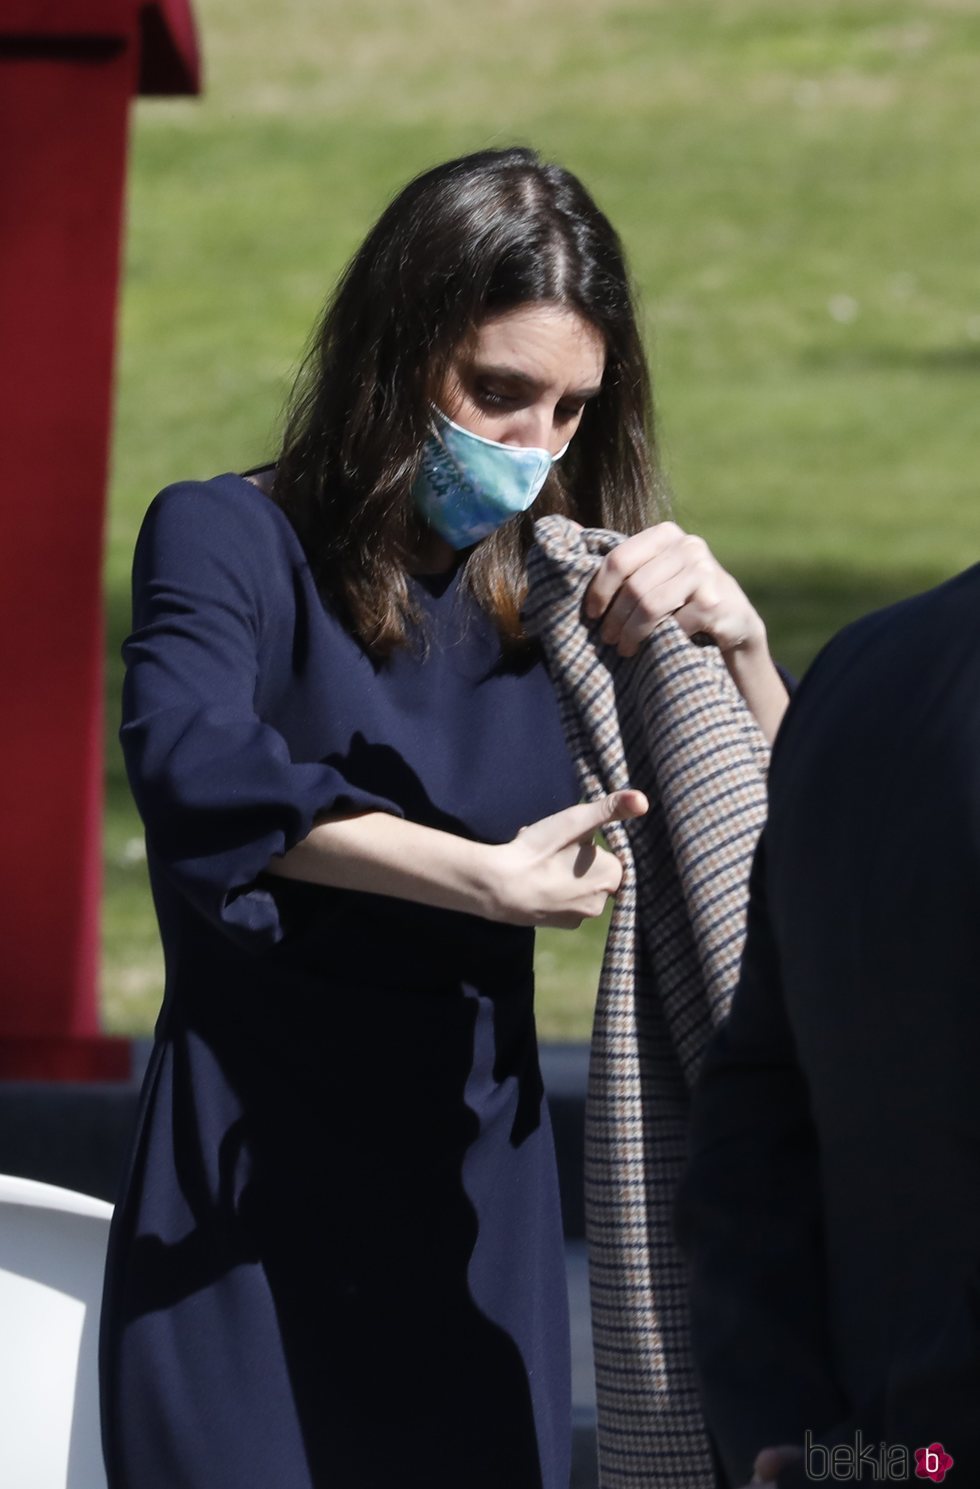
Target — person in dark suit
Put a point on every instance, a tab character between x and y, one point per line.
830	1212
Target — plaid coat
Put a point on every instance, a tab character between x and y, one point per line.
670	722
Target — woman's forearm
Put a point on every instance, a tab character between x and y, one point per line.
383	854
754	674
551	873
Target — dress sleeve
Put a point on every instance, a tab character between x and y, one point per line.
216	787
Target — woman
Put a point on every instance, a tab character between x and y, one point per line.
337	1258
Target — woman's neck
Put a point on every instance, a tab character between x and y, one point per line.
433	556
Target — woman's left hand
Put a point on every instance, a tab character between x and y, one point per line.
665	571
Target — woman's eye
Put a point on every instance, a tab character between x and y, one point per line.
566	415
492	399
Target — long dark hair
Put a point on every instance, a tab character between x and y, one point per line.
474	237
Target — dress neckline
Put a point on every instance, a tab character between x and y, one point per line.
435	584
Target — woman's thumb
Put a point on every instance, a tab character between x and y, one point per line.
629	802
592	816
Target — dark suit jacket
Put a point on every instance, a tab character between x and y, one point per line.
831	1209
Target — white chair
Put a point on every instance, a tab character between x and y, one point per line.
52	1256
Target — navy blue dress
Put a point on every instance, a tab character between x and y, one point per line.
336	1261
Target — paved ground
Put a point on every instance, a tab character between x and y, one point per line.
584	1471
583	1375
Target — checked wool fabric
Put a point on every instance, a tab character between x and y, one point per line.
671	722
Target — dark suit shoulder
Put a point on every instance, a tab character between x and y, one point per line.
889	657
950	609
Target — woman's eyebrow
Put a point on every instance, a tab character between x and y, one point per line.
515	375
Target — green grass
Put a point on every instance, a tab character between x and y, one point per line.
795	186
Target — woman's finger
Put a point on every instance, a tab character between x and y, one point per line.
651	612
577	824
638	587
623	560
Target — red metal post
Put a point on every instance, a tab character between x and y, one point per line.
67	73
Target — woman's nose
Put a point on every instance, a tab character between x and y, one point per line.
533	430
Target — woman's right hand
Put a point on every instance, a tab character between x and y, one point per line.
552	873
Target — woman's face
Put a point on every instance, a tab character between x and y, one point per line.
525	376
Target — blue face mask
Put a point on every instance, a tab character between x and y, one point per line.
469	485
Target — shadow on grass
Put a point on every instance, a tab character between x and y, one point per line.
961	358
803	606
